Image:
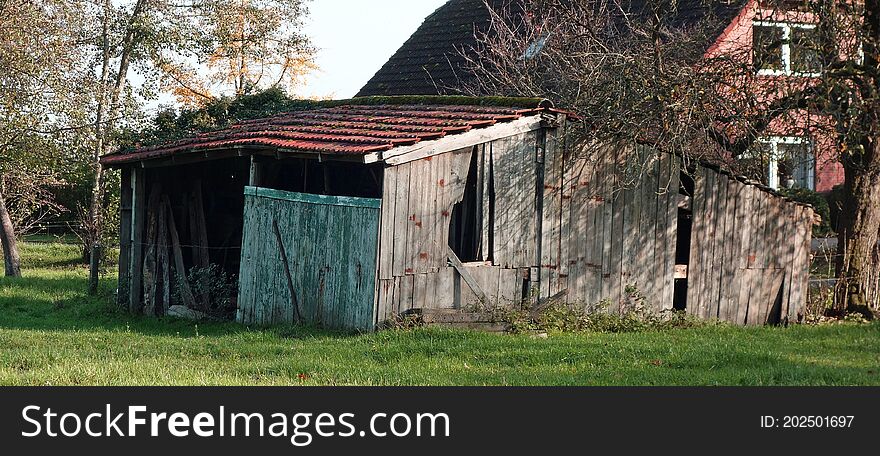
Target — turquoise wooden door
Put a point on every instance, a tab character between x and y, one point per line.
330	245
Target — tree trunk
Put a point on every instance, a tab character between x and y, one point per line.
11	258
104	126
858	262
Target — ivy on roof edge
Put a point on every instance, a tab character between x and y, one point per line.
451	100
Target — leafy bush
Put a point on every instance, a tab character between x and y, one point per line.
820	205
214	290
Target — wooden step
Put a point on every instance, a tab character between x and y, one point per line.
459	319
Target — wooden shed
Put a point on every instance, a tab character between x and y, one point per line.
353	212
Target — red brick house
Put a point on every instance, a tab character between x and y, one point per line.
795	151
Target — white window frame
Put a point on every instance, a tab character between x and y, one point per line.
775	156
786	48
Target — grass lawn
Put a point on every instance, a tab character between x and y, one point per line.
51	333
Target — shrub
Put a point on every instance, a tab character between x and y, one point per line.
820	205
214	290
593	318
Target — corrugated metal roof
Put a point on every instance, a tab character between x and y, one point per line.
349	129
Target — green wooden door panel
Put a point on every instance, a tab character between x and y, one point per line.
331	245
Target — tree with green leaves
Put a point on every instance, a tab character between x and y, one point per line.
244	41
42	91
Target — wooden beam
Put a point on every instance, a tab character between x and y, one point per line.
185	290
151	271
466	275
207	155
125	217
256	176
198	227
136	263
163	263
401	155
294	302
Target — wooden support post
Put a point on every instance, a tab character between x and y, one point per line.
256	176
125	228
466	275
163	300
138	210
151	270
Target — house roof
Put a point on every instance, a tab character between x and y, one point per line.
349	128
431	62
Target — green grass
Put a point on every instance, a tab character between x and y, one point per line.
51	333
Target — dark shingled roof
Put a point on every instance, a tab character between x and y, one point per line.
430	62
350	127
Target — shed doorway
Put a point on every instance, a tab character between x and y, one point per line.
308	259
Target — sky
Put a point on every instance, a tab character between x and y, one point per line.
355	38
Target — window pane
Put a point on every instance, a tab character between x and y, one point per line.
767	46
806	55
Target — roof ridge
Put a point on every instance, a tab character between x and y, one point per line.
442	100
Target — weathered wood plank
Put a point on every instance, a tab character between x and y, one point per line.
800	262
484	182
650	211
564	157
415	212
407	286
388	223
444	297
717	246
615	281
579	216
745	232
642	235
671	220
420	291
163	287
729	288
607	220
402	155
333	270
150	266
695	268
401	210
629	222
469	279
